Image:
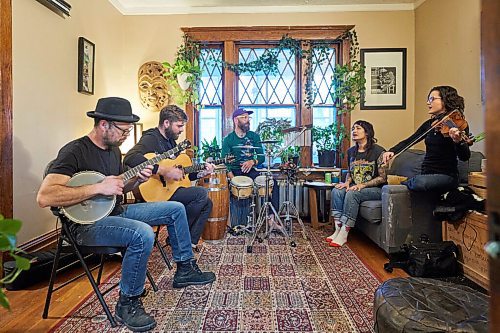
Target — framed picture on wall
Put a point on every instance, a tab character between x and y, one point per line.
385	74
86	57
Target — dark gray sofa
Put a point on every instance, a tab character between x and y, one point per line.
400	216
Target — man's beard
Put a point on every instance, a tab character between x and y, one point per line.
170	134
110	143
243	127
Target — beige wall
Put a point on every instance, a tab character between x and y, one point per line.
159	37
447	44
48	111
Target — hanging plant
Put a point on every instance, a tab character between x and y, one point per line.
348	81
184	74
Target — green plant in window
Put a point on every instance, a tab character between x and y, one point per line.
8	231
210	149
329	138
184	74
290	153
272	129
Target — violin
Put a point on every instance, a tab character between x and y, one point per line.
453	119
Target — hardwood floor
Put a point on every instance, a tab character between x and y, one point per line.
27	305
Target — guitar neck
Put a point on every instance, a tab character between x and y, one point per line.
199	167
127	175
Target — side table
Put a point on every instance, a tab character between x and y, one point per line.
314	189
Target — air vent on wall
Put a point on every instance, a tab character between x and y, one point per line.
60	7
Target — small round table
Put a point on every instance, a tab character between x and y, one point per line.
314	190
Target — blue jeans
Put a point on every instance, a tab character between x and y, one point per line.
345	205
431	182
132	230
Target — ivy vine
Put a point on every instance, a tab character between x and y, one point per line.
348	79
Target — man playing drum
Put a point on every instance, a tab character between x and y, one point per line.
161	139
246	147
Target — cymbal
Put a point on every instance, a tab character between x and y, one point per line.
270	141
246	147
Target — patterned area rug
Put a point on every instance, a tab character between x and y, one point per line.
276	288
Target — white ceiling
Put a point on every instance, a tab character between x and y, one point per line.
166	7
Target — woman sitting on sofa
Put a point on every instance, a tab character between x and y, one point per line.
439	167
363	182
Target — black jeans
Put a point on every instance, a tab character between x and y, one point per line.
198	207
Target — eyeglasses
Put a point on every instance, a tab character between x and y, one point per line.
432	98
244	117
124	132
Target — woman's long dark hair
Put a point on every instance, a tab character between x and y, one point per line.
370	134
451	99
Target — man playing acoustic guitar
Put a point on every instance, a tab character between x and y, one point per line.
126	226
159	140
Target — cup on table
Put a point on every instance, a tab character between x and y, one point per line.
328	177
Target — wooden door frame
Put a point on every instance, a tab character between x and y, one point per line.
6	175
490	84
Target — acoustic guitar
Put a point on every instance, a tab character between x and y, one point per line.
157	188
100	206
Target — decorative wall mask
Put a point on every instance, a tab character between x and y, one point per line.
153	88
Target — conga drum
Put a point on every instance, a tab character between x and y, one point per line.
218	192
240	200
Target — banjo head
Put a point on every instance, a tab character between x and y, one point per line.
92	209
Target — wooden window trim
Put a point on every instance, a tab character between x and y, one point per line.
231	37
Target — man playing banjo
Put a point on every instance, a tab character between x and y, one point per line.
126	226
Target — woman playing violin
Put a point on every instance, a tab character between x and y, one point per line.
444	143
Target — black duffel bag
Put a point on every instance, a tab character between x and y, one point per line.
424	259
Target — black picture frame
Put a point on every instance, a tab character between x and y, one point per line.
385	74
86	62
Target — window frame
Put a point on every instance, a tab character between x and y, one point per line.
232	37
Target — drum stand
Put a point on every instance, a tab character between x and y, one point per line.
250	226
288	211
264	212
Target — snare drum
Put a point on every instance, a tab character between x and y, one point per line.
241	187
260	184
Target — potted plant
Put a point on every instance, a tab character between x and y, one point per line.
328	141
272	129
210	149
8	230
291	154
183	75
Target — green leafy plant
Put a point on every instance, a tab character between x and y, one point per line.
8	230
185	68
348	80
289	153
329	138
210	149
272	129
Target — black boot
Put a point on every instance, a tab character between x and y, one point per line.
130	312
188	273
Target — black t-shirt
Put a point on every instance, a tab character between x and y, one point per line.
363	166
83	155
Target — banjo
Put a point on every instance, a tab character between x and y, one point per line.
100	206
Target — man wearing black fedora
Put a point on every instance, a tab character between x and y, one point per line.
126	226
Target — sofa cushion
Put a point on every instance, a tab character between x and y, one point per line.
472	165
408	164
371	210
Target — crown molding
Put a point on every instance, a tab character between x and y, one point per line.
179	10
